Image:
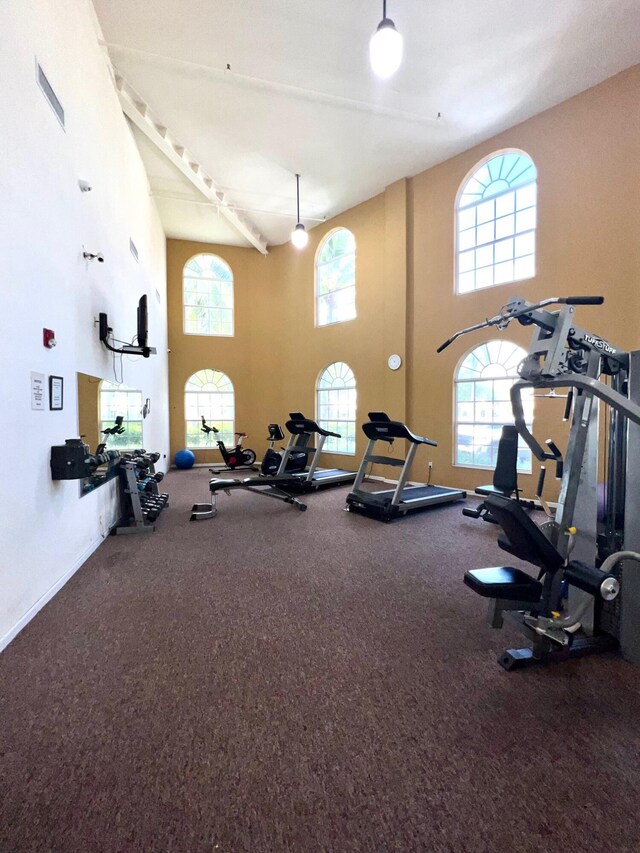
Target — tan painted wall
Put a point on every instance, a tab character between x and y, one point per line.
252	358
587	152
277	353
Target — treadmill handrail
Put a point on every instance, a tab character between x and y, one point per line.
299	425
388	430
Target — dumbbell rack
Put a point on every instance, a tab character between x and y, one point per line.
141	508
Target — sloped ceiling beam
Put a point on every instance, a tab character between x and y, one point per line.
140	114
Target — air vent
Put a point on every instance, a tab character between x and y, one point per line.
134	250
49	94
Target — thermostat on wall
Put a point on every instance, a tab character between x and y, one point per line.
394	361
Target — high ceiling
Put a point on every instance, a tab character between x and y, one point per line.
256	91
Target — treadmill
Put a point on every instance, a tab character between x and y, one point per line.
388	504
302	431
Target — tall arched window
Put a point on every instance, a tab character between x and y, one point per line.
336	278
115	400
483	404
336	406
496	223
209	393
207	288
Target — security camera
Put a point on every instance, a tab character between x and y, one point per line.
85	186
89	256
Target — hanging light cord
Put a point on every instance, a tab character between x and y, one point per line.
298	196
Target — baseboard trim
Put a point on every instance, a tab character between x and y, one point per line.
48	595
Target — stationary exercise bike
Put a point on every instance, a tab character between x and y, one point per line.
239	457
116	429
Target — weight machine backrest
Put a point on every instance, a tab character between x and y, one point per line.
505	476
522	537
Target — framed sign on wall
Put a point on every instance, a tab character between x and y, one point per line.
56	388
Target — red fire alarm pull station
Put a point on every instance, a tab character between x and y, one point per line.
49	338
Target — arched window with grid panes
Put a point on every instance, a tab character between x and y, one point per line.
336	278
336	399
207	290
483	382
209	393
496	222
116	400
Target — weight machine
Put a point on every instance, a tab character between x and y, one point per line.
588	551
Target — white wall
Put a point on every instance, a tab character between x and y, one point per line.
46	529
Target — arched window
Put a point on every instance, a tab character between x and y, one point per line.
115	400
207	287
336	278
483	404
209	393
496	223
336	406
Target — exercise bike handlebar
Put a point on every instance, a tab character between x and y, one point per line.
516	308
205	426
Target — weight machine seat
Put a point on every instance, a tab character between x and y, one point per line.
522	537
493	490
504	582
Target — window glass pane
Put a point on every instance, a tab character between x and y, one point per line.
466	218
526	220
505	204
336	401
486	212
505	227
484	256
504	272
207	291
467	240
209	393
484	233
500	198
115	401
483	403
526	197
466	261
335	278
466	282
525	267
484	277
504	250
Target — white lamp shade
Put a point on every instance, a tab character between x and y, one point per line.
385	49
299	236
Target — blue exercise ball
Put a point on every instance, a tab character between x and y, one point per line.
184	459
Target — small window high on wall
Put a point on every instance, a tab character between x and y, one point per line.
209	393
483	404
336	278
496	223
118	400
207	296
336	400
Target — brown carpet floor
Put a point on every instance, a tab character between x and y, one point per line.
279	681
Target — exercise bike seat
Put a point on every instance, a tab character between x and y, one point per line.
504	582
241	434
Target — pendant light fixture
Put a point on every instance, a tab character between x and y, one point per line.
385	47
299	236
